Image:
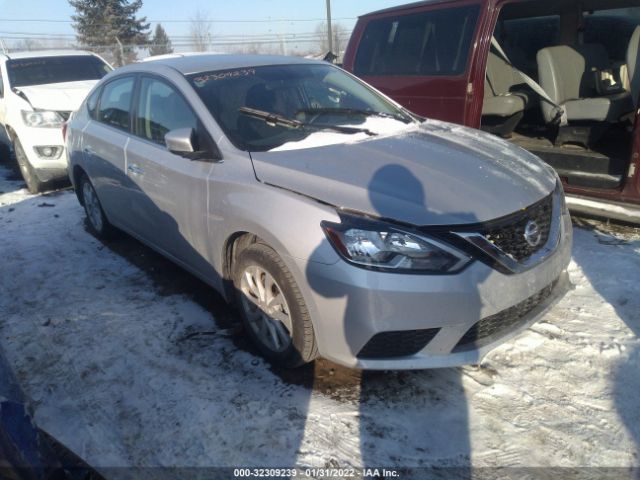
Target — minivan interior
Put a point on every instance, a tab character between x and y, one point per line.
562	81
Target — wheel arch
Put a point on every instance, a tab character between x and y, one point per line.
11	133
233	245
77	174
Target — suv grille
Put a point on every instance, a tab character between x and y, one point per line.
397	344
510	237
502	321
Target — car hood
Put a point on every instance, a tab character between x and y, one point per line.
65	97
437	174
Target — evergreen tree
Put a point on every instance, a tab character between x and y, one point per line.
110	28
160	43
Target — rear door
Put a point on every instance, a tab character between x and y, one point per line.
104	140
420	57
169	204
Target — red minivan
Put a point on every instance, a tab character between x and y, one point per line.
557	77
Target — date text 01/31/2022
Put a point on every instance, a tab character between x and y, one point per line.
315	473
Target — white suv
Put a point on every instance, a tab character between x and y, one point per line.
38	92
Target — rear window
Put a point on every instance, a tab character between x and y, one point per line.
613	29
26	72
530	34
430	43
115	103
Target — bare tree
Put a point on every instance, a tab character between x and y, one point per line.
339	34
200	31
27	44
59	43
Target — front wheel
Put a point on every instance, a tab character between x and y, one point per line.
34	185
273	311
92	207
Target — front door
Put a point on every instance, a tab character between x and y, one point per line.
169	204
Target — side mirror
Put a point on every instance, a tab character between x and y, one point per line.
186	143
180	141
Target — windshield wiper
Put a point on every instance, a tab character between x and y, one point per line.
273	119
354	111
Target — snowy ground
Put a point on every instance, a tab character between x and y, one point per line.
130	361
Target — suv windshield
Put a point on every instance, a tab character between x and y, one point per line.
25	72
311	96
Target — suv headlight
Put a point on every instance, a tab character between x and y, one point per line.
42	119
381	246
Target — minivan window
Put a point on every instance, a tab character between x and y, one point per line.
613	29
43	70
115	103
160	110
529	35
430	43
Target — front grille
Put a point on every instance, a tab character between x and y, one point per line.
502	321
397	344
65	115
510	237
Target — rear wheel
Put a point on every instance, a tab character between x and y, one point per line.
92	207
5	152
273	311
26	169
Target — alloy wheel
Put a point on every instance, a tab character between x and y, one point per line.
92	206
266	308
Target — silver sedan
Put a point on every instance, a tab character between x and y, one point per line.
339	223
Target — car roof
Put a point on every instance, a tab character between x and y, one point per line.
187	64
586	5
406	6
46	53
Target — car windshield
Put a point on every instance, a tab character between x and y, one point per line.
313	96
26	72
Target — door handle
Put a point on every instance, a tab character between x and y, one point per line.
135	170
88	151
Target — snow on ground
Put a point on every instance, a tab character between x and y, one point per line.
126	365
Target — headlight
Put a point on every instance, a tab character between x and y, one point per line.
381	246
42	119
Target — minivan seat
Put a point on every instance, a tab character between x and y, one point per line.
633	65
502	108
568	75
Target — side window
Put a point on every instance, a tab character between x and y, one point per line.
92	103
161	109
612	31
115	103
430	43
530	35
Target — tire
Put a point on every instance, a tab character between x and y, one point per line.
96	218
26	169
260	262
5	153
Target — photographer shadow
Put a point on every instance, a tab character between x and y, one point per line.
407	419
